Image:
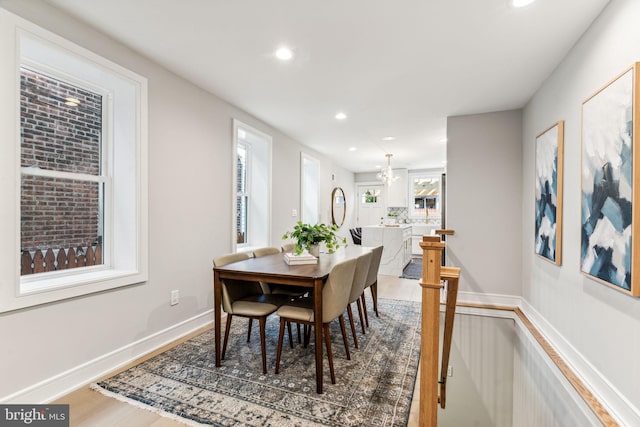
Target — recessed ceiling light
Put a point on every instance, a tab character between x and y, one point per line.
352	148
443	140
521	3
389	138
341	116
284	54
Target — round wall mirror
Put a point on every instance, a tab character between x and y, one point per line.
338	207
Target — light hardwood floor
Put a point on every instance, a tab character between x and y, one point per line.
89	408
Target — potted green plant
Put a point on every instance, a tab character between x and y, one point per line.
393	216
308	237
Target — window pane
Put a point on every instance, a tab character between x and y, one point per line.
241	219
426	196
242	195
59	214
370	196
242	169
61	125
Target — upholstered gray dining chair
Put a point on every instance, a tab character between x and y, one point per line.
335	297
290	291
357	288
246	299
372	282
288	247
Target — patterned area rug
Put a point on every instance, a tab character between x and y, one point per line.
374	388
413	270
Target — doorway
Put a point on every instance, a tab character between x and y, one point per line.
370	204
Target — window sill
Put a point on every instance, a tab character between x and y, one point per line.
51	287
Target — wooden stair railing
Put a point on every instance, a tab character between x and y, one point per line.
432	276
452	276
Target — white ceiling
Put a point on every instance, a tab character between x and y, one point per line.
395	67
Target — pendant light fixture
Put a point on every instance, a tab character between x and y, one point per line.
386	173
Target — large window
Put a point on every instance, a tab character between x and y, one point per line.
310	186
73	169
242	192
252	187
63	181
425	196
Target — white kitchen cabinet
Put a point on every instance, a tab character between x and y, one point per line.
398	191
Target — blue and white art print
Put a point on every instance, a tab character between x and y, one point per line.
548	192
607	184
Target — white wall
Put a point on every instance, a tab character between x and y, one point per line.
594	326
484	156
48	348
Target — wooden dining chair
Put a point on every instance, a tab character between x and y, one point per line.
372	282
335	297
246	299
357	288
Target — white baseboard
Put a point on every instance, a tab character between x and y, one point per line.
65	382
618	406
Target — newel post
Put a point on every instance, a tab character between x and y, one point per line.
429	349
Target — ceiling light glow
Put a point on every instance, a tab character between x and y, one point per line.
352	148
389	138
284	54
72	102
341	116
521	3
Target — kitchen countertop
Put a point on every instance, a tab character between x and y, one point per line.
389	226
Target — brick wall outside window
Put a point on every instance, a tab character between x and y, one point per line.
56	212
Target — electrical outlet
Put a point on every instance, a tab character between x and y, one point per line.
294	213
175	297
450	371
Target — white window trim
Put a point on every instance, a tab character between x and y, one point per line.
313	193
247	193
427	174
131	230
251	243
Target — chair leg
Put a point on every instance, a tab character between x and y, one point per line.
374	294
279	349
226	335
299	339
344	336
327	340
249	330
360	314
263	347
290	336
364	308
353	327
307	335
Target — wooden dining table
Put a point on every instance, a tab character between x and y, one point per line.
273	269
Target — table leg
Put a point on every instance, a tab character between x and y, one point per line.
317	310
217	301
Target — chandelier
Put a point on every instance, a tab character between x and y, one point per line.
386	173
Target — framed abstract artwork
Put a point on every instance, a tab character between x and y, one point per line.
610	235
548	192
